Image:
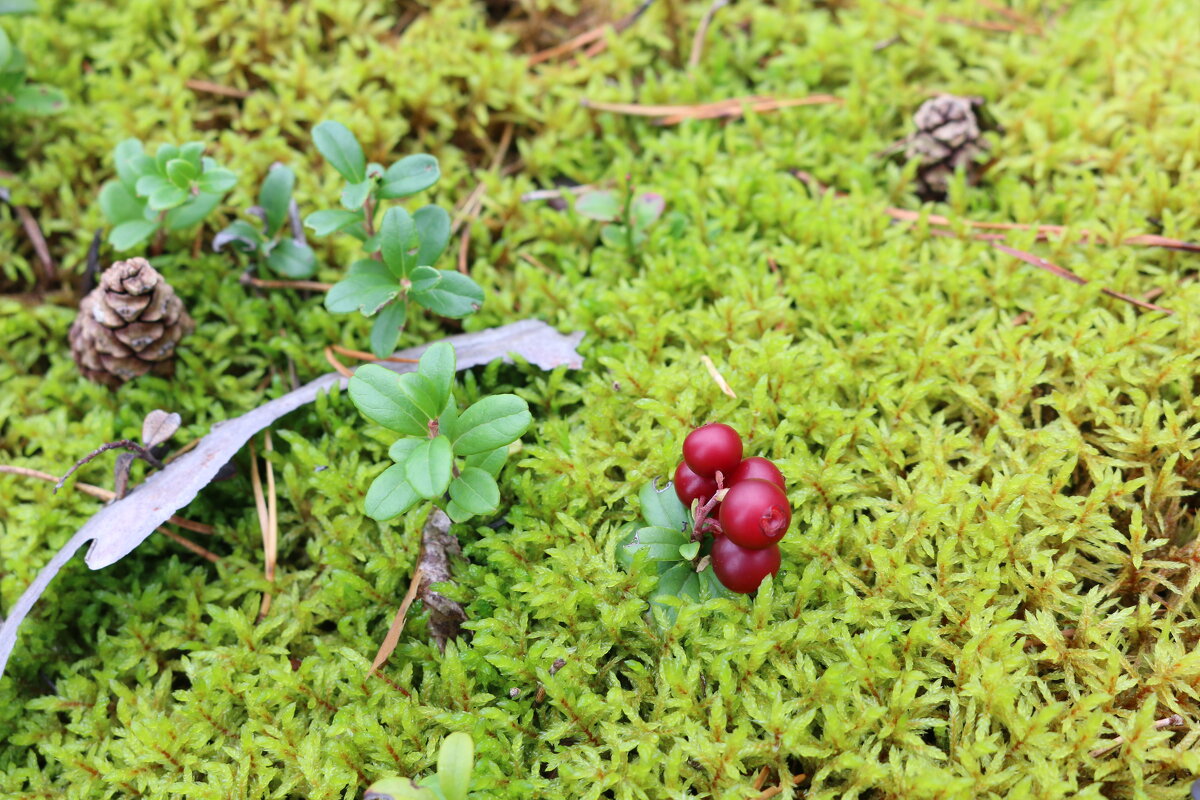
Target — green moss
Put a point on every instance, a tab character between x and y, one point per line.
993	569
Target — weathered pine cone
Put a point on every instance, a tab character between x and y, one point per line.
128	325
949	137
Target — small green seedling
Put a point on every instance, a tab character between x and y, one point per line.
450	458
664	536
456	760
174	190
401	251
17	96
280	243
629	219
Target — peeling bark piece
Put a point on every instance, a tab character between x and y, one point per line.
438	546
118	528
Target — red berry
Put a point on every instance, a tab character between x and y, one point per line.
757	467
740	569
689	486
712	448
755	513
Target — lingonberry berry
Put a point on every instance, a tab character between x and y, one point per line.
757	467
689	486
740	569
712	448
755	513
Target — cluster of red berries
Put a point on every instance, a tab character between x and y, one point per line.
745	498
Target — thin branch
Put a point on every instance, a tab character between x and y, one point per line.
260	283
394	630
341	368
364	356
124	444
1041	263
590	37
464	249
1173	721
702	31
34	232
190	545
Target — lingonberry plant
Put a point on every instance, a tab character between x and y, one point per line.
400	252
450	458
629	218
719	529
456	761
175	189
282	249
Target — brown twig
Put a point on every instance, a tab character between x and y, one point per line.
464	248
589	37
104	494
342	369
1041	263
716	376
502	150
123	444
197	85
260	283
188	544
702	31
34	232
1173	721
388	646
732	107
364	356
761	779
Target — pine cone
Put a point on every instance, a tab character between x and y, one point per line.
949	137
128	325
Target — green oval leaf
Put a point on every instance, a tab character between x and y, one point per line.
292	259
455	295
367	287
475	491
659	544
490	461
375	392
192	212
397	238
603	206
438	365
217	181
275	195
323	223
181	172
433	233
131	233
663	508
355	194
390	495
386	330
428	467
119	204
490	423
409	175
343	152
455	762
397	788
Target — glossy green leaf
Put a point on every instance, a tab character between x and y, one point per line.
433	232
423	394
455	295
182	172
192	151
355	194
490	461
409	175
385	331
400	448
126	157
397	788
659	544
375	392
147	185
456	760
390	495
343	152
163	155
119	204
293	259
475	491
239	233
166	197
323	223
663	508
217	181
424	279
428	467
36	99
437	365
689	551
275	195
367	287
492	422
192	212
132	233
397	240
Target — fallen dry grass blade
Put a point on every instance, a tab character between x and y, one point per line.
716	376
1041	263
393	635
208	87
341	368
732	107
362	355
702	31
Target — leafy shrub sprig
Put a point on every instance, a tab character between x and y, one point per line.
401	250
441	455
174	190
287	255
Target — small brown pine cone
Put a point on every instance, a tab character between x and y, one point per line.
128	325
949	137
